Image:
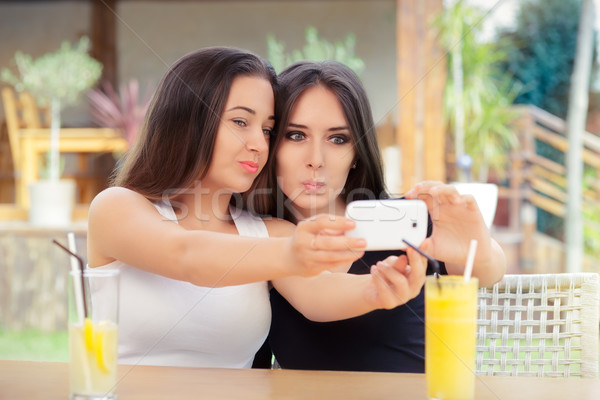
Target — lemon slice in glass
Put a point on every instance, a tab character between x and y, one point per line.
88	334
105	345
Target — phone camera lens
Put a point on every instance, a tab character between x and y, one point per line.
414	224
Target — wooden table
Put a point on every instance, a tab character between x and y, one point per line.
34	143
36	380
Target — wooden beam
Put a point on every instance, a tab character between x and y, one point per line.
104	38
562	143
421	75
547	204
435	68
406	67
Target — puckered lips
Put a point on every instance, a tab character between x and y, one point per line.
313	186
250	166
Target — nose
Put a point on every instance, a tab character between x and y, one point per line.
257	142
315	158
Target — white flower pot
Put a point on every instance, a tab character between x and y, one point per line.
52	203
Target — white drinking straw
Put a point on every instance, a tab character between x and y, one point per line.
470	259
76	282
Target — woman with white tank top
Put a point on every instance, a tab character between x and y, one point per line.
165	321
194	269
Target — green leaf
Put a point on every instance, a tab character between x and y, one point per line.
315	49
64	74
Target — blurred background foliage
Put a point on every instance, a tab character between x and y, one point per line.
315	49
479	89
540	53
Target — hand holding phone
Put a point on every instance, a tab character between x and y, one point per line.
384	224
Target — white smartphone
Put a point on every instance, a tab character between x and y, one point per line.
385	223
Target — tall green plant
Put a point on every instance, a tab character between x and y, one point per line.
57	79
477	97
315	49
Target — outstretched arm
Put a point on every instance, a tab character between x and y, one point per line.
335	296
125	226
456	220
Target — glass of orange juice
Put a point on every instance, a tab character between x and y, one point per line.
450	337
93	333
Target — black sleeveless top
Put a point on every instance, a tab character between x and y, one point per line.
382	340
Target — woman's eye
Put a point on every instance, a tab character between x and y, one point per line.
339	139
295	136
240	122
268	131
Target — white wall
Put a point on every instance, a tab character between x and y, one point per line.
153	34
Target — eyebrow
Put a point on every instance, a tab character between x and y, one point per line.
334	129
249	110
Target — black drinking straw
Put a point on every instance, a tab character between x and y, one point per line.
81	267
436	264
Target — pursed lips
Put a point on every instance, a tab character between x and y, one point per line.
313	186
250	166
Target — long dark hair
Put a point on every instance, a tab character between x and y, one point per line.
175	145
366	180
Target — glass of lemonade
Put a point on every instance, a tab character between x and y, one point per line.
93	333
450	337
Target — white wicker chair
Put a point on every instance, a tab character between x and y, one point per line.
539	325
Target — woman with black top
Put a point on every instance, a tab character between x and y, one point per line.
325	155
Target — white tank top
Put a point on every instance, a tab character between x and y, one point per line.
167	322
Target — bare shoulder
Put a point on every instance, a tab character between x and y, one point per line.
115	207
113	195
279	227
115	200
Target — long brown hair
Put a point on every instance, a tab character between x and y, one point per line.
366	180
175	145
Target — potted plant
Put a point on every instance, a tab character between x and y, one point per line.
56	79
124	109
